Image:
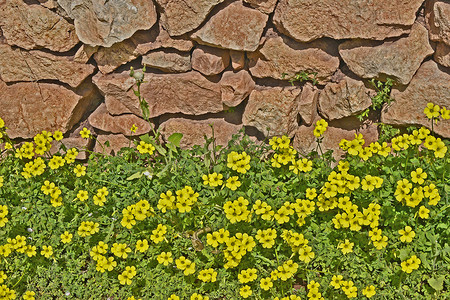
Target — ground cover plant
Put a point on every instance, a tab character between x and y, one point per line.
254	221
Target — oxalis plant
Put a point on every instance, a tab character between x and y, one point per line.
251	221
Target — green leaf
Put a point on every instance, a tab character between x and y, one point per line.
175	138
404	254
437	283
160	149
135	176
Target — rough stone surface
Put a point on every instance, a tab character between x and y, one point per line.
102	120
84	53
50	4
237	60
307	105
210	61
343	99
28	108
398	60
37	65
156	38
109	59
179	17
34	26
273	111
235	87
235	27
438	20
115	107
265	6
103	23
305	141
442	54
171	62
278	56
429	84
116	142
311	19
194	130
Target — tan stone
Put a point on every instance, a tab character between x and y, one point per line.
442	54
115	107
429	84
310	19
34	26
36	65
343	99
171	62
194	130
235	27
116	142
398	60
305	141
235	87
50	4
28	108
84	53
307	104
103	23
109	59
102	120
237	60
273	111
279	55
265	6
438	20
179	17
210	61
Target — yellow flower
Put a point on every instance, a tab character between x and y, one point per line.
431	111
196	296
82	195
29	295
120	250
3	276
47	251
407	234
133	128
66	237
233	183
346	246
85	133
56	162
173	297
369	291
2	123
423	212
79	170
336	281
445	113
142	245
410	264
125	278
418	176
58	135
245	291
266	283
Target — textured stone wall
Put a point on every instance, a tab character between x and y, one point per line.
64	65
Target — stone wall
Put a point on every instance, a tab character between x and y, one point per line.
64	65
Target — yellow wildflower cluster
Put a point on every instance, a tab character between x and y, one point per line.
432	111
321	127
377	238
349	288
33	168
411	264
237	210
120	250
138	211
291	297
49	188
159	233
239	162
100	197
186	265
207	275
88	228
284	153
285	271
3	214
266	237
263	209
126	276
144	148
6	293
236	247
213	179
299	245
313	291
165	258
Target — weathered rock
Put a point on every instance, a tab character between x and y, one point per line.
309	20
115	107
398	60
442	54
171	62
429	84
438	20
34	26
179	17
194	130
343	99
235	87
307	104
109	59
279	55
305	141
84	53
237	60
36	65
265	6
50	4
273	111
235	27
210	61
116	142
103	23
102	120
28	108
